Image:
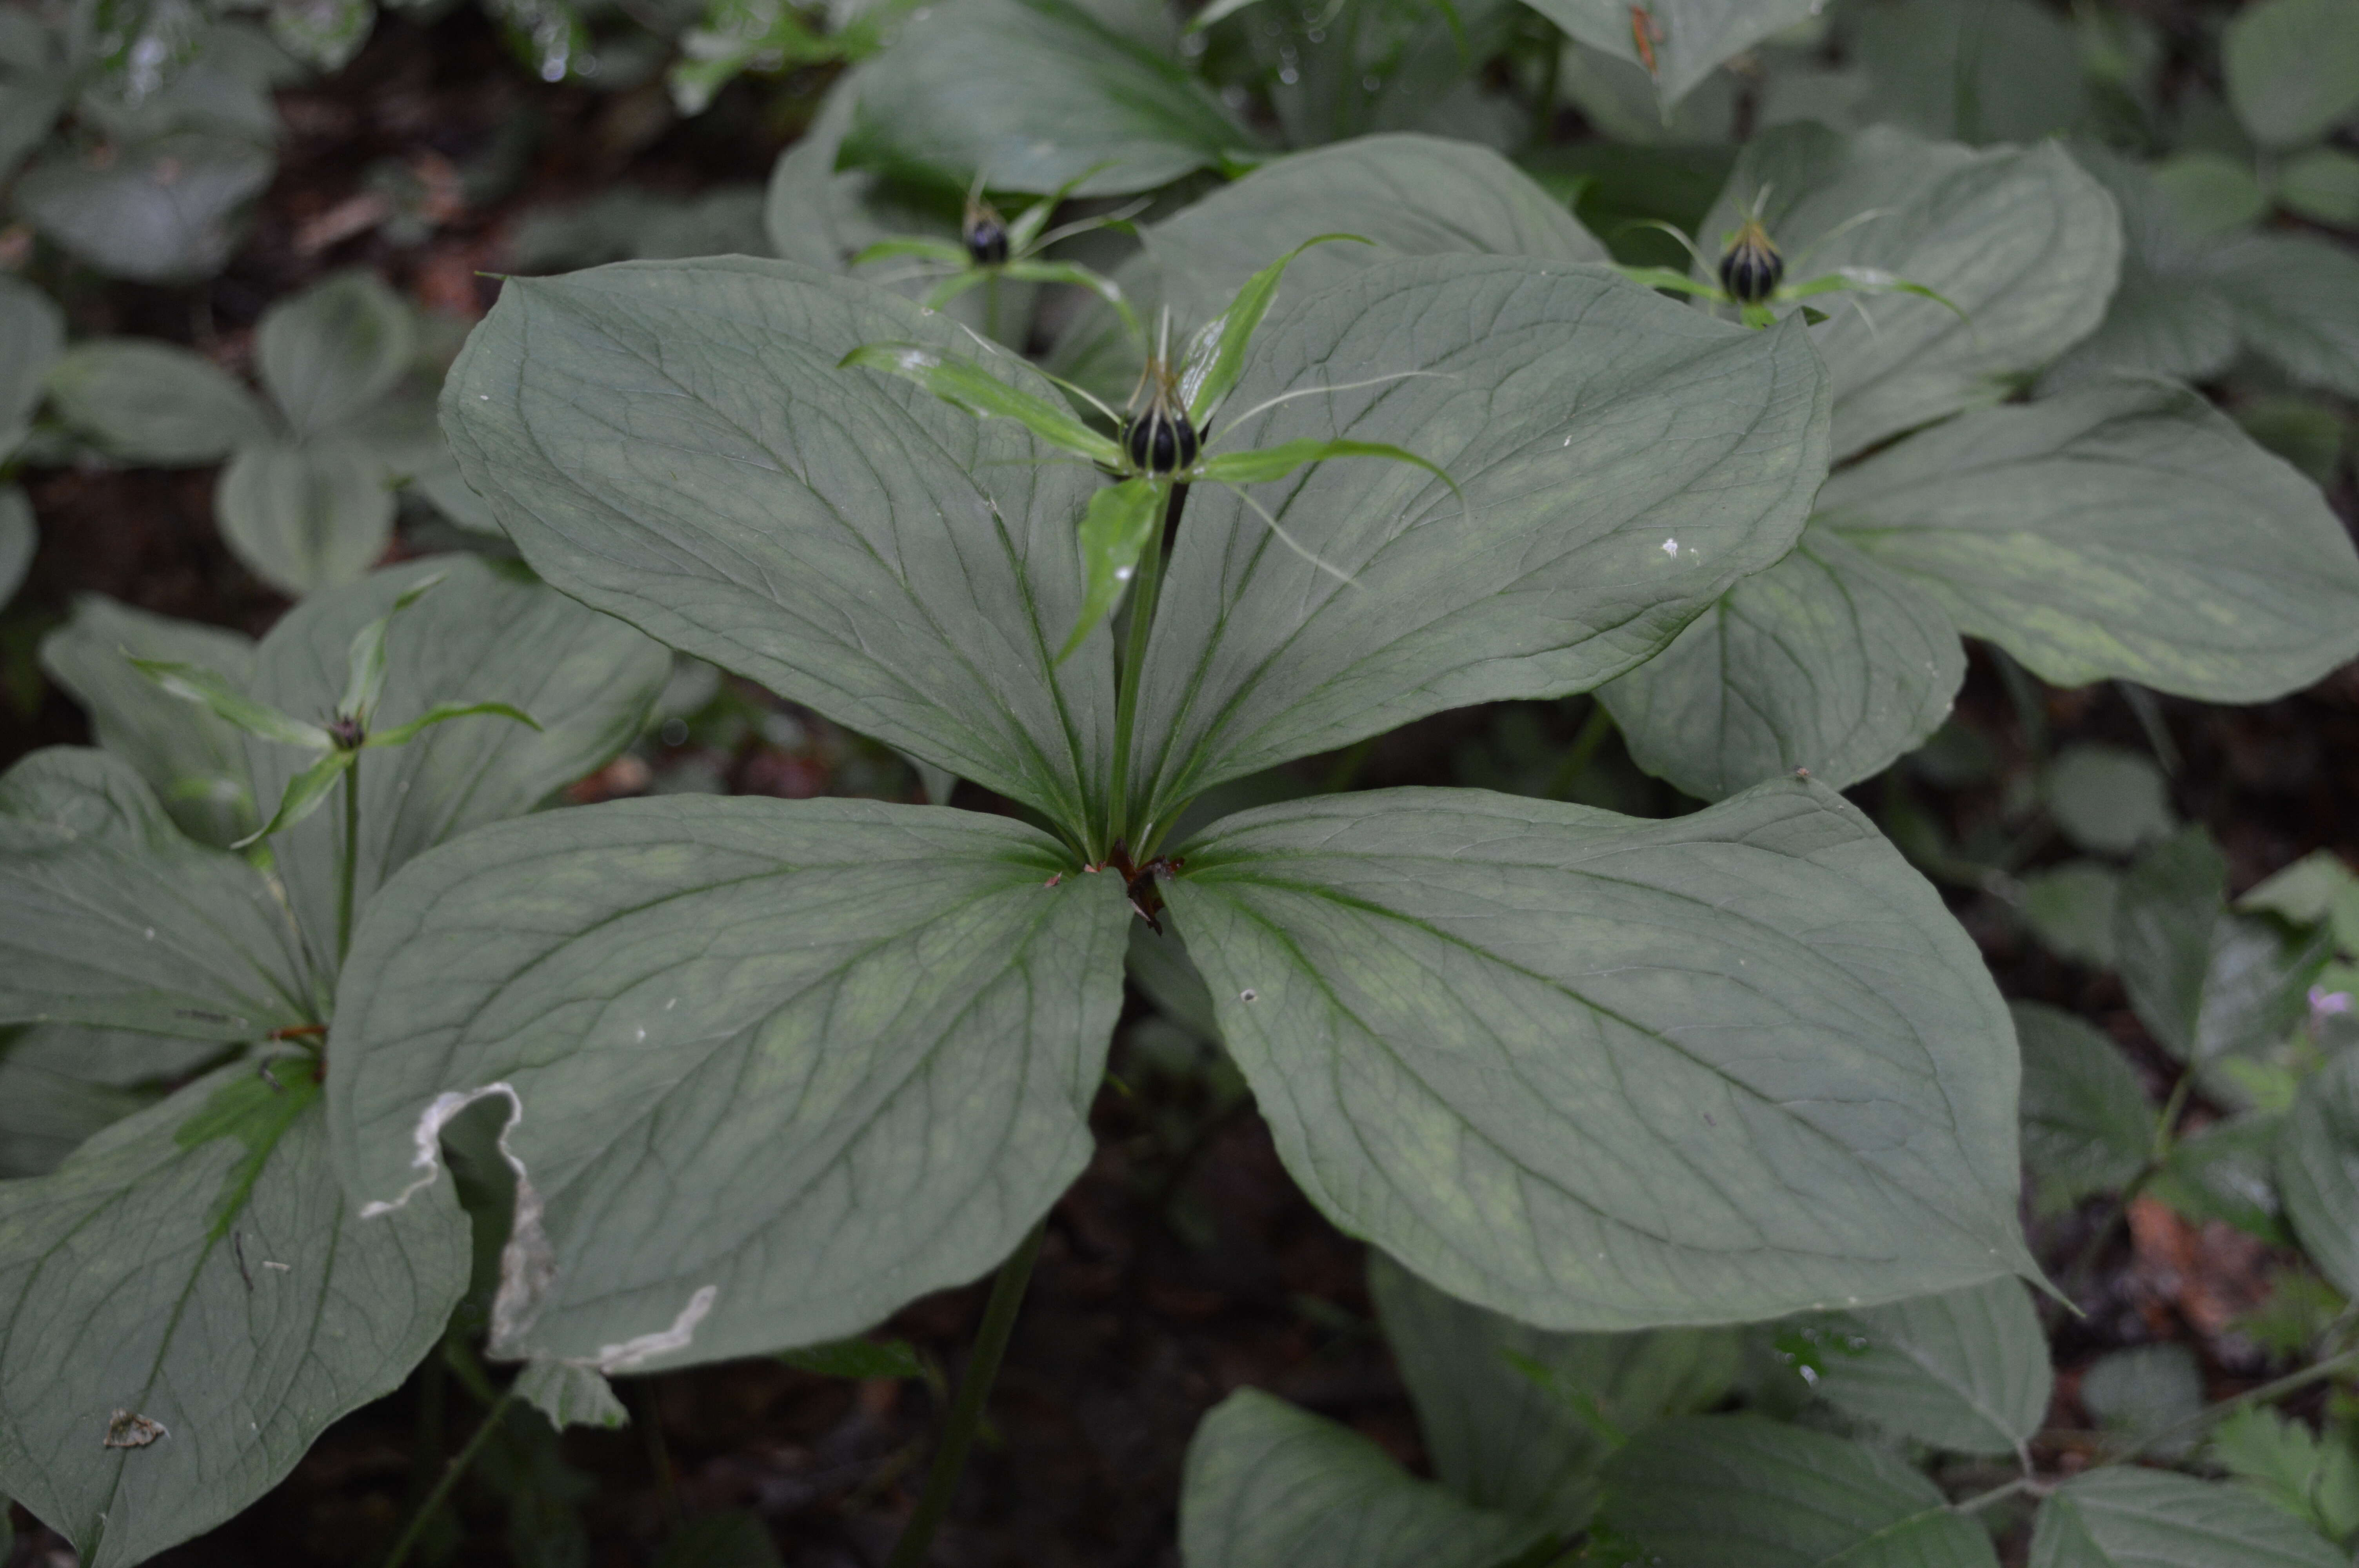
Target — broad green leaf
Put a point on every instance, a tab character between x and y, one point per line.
1114	534
1520	1420
2322	183
570	1395
305	516
1410	194
32	335
967	387
1688	38
2304	892
2205	981
2211	192
2120	1517
2071	909
1598	1072
2292	68
1271	1486
484	633
1217	356
188	1301
194	761
17	541
149	402
2023	242
1737	1491
2296	302
2170	316
2087	1124
674	445
60	1082
1620	462
2315	1480
223	700
2125	529
109	916
2109	800
162	211
1980	70
2318	1170
1033	95
776	1067
2146	1393
327	355
1965	1370
322	33
2227	1172
1827	661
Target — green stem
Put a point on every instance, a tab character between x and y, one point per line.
1144	594
1593	730
349	871
966	1412
991	307
451	1474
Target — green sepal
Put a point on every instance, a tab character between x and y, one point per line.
194	683
981	393
365	661
1115	531
1025	231
1868	280
958	283
1217	11
1079	276
1217	355
401	734
913	245
304	793
1265	464
1665	277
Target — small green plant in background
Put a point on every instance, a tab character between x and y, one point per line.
307	497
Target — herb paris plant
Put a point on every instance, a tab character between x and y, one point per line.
884	1023
188	1301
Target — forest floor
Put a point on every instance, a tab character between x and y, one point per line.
1184	1264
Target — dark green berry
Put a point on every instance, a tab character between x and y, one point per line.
1752	267
1160	440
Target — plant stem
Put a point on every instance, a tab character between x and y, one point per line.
966	1412
1593	730
451	1474
1144	594
349	872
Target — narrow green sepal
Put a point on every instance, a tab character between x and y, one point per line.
1114	530
440	712
1868	280
1217	356
304	793
958	283
1079	276
1265	464
1665	277
979	393
365	660
193	682
913	245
